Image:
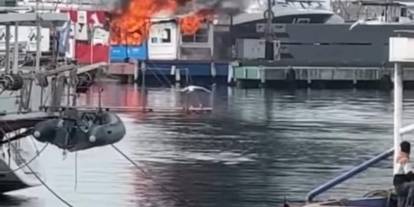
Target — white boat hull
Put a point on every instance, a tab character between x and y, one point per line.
14	173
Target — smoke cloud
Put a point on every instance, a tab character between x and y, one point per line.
132	19
219	6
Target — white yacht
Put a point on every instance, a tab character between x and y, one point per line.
19	166
287	12
38	101
307	35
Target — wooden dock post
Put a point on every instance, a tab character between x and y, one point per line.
136	69
177	75
213	70
230	75
262	76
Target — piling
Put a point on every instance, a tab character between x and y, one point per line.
136	69
213	71
177	75
291	78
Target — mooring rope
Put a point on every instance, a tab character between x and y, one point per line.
162	187
17	137
49	188
76	171
26	163
43	182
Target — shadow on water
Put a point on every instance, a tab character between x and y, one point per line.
17	200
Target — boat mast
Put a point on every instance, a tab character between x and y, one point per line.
7	64
399	53
38	36
38	52
16	48
398	107
269	17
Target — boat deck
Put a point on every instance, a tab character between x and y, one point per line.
11	122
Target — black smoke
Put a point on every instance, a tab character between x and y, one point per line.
188	6
219	6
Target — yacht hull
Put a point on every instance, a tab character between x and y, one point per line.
18	163
10	181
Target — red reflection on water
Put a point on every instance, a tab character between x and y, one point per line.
113	96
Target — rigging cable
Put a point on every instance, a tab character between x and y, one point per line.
162	187
76	171
27	162
32	171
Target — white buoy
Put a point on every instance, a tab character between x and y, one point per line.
92	139
60	123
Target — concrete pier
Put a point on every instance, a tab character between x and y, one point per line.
316	77
127	72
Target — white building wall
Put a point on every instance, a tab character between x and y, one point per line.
163	41
28	35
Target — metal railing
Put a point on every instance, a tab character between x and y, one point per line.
347	175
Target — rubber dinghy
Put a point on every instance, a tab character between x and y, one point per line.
79	131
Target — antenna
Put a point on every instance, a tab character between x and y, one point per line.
100	99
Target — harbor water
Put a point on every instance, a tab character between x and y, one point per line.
258	147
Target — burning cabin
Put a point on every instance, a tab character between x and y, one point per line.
166	42
180	45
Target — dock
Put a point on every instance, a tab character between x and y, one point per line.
315	77
264	76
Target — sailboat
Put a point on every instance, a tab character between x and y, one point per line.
38	104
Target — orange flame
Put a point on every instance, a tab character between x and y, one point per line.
189	25
132	25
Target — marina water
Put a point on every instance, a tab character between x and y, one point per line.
257	148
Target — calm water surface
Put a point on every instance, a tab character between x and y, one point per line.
258	147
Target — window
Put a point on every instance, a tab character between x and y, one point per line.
301	21
166	36
163	35
201	36
260	28
8	3
404	12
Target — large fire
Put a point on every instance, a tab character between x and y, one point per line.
191	24
132	25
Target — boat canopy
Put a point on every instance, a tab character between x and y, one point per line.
29	19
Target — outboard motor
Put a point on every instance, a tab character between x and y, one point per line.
91	129
85	81
12	82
